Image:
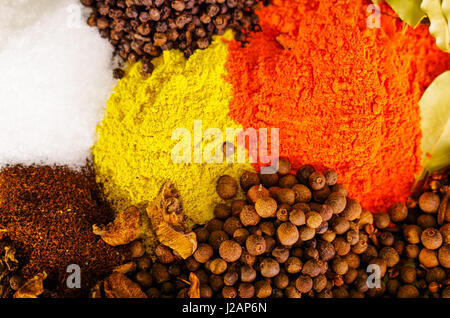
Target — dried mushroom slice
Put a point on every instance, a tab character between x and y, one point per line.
168	221
117	285
32	288
123	230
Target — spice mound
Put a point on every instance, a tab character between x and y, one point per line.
343	95
48	214
133	156
142	29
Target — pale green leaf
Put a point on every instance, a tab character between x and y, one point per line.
439	27
408	10
435	111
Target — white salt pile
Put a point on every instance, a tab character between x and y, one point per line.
55	77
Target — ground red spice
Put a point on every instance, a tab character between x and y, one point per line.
344	96
48	213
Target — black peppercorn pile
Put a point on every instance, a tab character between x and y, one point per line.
301	236
142	29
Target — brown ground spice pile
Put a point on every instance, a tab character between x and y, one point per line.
48	213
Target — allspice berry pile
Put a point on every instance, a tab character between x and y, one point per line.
141	29
301	236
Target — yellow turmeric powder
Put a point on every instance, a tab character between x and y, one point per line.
133	153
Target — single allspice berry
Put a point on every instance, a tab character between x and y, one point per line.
381	220
337	202
431	238
137	249
256	192
390	255
304	284
428	258
164	254
284	166
218	266
297	217
317	181
249	216
444	256
331	177
302	193
287	233
227	187
304	173
408	291
352	210
269	267
412	233
230	278
222	211
263	289
398	212
249	179
429	202
203	253
230	251
266	207
232	224
293	265
255	244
